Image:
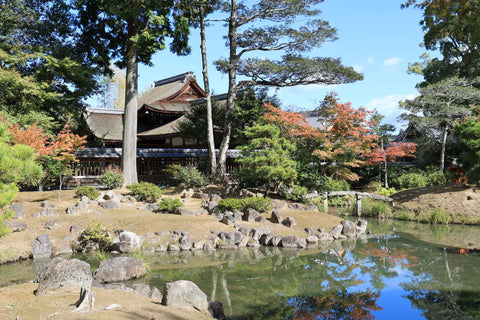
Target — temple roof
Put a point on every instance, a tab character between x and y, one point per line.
168	96
149	153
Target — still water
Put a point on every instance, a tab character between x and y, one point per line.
391	276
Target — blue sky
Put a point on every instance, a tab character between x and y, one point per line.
376	37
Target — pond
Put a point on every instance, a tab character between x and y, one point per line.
390	276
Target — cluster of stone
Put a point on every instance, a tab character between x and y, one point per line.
111	274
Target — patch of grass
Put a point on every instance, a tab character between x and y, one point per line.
142	256
439	216
88	191
375	209
403	214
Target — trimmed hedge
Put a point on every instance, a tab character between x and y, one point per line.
257	203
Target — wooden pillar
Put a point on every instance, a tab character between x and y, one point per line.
358	197
325	202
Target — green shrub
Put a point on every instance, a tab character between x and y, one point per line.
403	215
386	192
145	191
411	180
294	192
88	191
439	216
111	180
437	178
257	203
188	176
375	209
169	205
98	234
336	185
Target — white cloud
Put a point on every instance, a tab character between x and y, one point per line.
389	106
358	68
371	60
392	62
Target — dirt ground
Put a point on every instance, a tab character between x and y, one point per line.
18	302
455	199
142	222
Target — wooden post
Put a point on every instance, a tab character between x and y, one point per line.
358	197
325	202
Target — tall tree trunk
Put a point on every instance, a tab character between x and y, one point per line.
208	98
129	145
385	173
231	95
442	151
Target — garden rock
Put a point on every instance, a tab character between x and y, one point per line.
128	199
152	207
228	218
18	209
185	243
349	228
310	231
297	206
52	224
336	231
213	202
83	204
261	219
129	242
302	243
276	216
119	269
289	222
361	227
231	237
76	230
47	204
185	293
64	273
41	247
215	308
250	215
141	289
15	226
256	233
73	211
186	212
266	239
276	240
253	244
188	193
47	212
312	240
173	247
290	242
323	236
155	294
62	248
109	204
208	247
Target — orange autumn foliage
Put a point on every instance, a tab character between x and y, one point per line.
290	122
61	147
392	152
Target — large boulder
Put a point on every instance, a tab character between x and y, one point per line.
276	216
361	227
289	222
231	237
336	231
109	204
250	215
119	269
349	228
213	202
15	226
290	241
185	293
129	242
64	273
18	209
41	247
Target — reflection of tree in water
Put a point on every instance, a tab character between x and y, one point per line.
446	304
337	305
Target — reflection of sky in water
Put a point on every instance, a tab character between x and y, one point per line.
392	297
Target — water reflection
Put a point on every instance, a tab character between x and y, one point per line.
393	276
